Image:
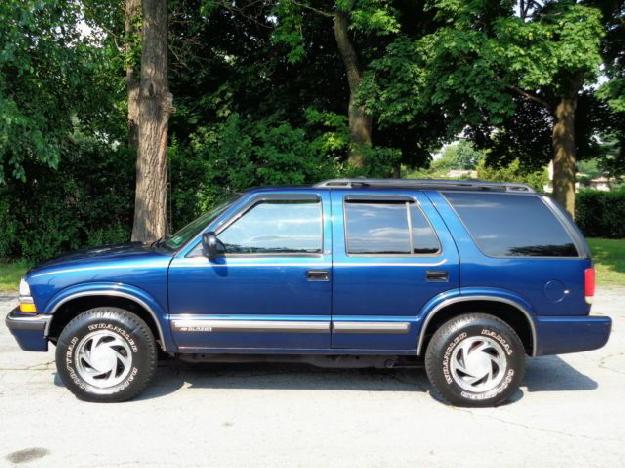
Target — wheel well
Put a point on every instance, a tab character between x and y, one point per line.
64	314
506	312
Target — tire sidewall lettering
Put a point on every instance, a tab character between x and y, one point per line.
497	337
447	355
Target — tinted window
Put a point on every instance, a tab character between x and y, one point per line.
276	227
424	240
518	226
384	228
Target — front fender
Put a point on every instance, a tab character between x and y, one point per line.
133	293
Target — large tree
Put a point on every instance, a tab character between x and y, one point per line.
485	56
154	104
347	17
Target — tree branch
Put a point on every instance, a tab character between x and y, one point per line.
531	97
308	7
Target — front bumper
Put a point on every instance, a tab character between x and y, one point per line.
28	330
570	334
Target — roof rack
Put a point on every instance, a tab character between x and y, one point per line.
432	184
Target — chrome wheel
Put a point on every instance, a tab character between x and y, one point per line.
103	359
478	364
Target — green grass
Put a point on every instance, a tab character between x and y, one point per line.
608	254
609	257
10	274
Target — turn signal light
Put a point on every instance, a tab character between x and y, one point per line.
28	308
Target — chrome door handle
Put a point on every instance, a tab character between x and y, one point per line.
318	275
437	275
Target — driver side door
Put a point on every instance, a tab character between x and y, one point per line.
270	290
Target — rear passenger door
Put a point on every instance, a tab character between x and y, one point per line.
392	254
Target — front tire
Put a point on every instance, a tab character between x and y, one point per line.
475	360
106	355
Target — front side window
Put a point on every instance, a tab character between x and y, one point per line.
275	227
512	225
388	228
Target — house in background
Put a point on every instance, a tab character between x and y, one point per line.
600	183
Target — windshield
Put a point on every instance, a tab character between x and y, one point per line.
195	227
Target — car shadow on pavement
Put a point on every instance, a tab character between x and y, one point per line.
172	375
552	373
547	373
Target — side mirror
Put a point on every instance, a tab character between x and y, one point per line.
210	244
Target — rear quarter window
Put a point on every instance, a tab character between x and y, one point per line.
512	225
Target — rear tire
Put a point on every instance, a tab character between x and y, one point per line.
475	360
106	355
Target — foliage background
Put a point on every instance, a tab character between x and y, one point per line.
261	98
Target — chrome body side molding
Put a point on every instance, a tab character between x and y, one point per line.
189	325
400	328
211	325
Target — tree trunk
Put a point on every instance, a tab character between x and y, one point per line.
563	142
360	125
132	28
150	220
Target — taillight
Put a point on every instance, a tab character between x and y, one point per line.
589	284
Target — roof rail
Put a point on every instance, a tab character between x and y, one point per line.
424	184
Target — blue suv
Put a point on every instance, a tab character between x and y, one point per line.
466	278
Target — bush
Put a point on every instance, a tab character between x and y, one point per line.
513	172
601	214
235	154
88	201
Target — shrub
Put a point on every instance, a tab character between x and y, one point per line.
601	214
513	172
88	201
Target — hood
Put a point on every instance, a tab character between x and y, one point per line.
126	251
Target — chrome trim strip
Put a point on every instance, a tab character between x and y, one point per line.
372	327
398	264
116	294
195	262
25	300
191	262
456	300
249	326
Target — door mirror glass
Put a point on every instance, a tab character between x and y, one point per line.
211	245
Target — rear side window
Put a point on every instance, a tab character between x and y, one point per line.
512	226
388	228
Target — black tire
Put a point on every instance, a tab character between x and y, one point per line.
498	360
123	342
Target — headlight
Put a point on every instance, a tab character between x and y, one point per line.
24	288
27	304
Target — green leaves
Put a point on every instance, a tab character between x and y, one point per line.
367	17
49	82
478	57
374	16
